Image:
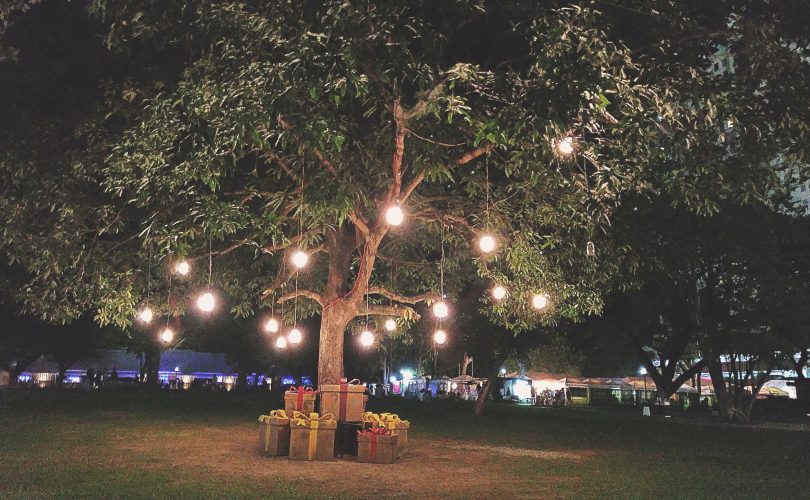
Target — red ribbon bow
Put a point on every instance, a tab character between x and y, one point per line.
344	392
376	431
299	403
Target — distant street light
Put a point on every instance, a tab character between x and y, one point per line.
643	371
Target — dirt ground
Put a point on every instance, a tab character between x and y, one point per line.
431	469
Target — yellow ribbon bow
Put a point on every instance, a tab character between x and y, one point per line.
372	418
281	414
313	422
389	420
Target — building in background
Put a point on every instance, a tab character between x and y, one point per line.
178	369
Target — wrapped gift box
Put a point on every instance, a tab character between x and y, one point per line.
346	438
376	446
394	424
346	400
274	434
312	437
299	399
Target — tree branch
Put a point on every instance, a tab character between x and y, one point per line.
421	106
383	310
360	224
378	290
399	150
301	293
291	241
461	160
286	272
683	377
324	161
224	251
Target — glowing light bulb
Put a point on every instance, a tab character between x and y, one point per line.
206	302
300	259
295	336
281	342
366	339
440	337
440	309
565	146
540	301
487	243
394	215
182	268
498	293
167	335
146	315
272	325
390	324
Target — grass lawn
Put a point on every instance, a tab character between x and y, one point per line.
75	444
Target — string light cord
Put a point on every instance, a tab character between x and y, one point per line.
300	242
149	277
169	301
486	188
210	261
441	265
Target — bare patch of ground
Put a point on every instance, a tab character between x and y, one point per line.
431	469
521	452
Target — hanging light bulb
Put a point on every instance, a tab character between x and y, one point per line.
182	268
390	324
367	338
394	215
540	301
300	259
565	146
167	335
440	309
487	243
499	292
281	342
590	249
440	337
146	315
295	336
206	302
272	325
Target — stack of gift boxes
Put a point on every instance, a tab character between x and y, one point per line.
341	427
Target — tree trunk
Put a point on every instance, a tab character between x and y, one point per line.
337	309
241	380
481	402
719	385
334	320
60	378
799	364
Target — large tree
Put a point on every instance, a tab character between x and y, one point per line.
295	126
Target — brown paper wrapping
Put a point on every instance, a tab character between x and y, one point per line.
401	431
386	449
274	437
322	440
291	400
351	396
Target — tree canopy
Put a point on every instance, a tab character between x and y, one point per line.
244	132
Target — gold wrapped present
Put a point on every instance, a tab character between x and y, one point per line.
274	434
299	399
346	400
312	437
376	446
393	423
